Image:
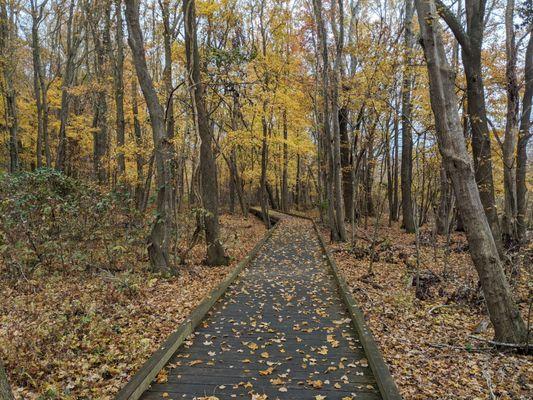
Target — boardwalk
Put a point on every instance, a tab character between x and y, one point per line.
280	332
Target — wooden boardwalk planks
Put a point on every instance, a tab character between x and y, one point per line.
281	331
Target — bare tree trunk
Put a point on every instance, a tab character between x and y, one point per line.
511	128
215	250
119	89
328	139
159	239
7	38
407	140
284	174
68	78
100	135
395	202
335	98
346	163
36	18
139	161
5	389
471	44
523	138
445	203
503	311
169	28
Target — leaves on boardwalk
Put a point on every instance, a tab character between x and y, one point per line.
281	332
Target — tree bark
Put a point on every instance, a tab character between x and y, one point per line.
36	18
119	89
346	164
445	203
471	44
284	174
511	128
68	78
5	389
523	137
100	125
7	39
139	160
215	250
407	140
335	111
331	173
159	238
503	311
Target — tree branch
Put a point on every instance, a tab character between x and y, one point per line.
454	24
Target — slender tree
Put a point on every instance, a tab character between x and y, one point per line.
503	311
215	251
523	138
407	140
74	39
7	64
160	236
471	41
119	87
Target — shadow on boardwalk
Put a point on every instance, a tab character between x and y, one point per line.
280	332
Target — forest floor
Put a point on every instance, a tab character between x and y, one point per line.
83	334
427	341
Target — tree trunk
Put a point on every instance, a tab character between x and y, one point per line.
139	161
7	39
284	174
328	136
335	111
503	311
511	128
159	238
395	202
471	44
119	89
215	250
346	164
407	140
445	203
100	125
36	17
523	138
5	389
68	78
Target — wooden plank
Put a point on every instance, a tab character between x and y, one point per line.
386	384
149	370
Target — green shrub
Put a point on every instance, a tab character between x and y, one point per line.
52	222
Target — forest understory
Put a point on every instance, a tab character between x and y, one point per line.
78	326
137	135
436	343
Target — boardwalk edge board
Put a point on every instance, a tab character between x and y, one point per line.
142	379
386	384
